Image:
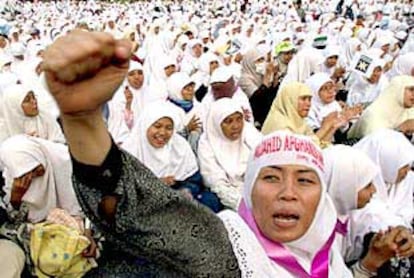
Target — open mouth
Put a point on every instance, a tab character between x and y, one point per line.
286	219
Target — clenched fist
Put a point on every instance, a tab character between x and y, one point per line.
84	69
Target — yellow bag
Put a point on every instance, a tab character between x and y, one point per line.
56	250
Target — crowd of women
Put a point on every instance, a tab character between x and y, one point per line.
207	139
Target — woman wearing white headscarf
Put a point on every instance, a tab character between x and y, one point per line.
285	207
188	109
305	63
324	104
389	110
132	96
39	175
367	81
352	47
208	63
191	59
21	115
224	148
392	204
166	66
155	143
393	153
351	184
403	65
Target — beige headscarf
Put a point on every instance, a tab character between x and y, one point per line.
284	111
387	111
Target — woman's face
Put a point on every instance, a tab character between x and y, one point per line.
213	65
327	92
385	48
284	200
409	97
402	173
136	78
365	194
286	57
331	61
232	126
304	104
188	92
29	105
376	75
160	132
170	69
197	50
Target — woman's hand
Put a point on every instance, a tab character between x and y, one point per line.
128	97
381	248
407	126
91	250
19	188
169	180
194	124
405	241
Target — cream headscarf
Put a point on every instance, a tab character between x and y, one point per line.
174	159
284	111
387	111
20	154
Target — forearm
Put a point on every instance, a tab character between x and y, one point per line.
325	133
87	137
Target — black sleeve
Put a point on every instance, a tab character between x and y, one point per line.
106	176
261	101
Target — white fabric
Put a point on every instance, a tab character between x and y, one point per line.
202	76
174	159
253	260
319	110
347	171
43	125
307	62
21	154
223	162
387	111
176	83
403	65
278	148
238	97
389	150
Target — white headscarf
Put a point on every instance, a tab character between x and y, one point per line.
307	62
175	84
347	171
319	110
390	151
16	122
21	154
285	148
202	76
174	159
387	111
231	156
403	65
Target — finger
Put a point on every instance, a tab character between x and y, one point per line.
407	253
